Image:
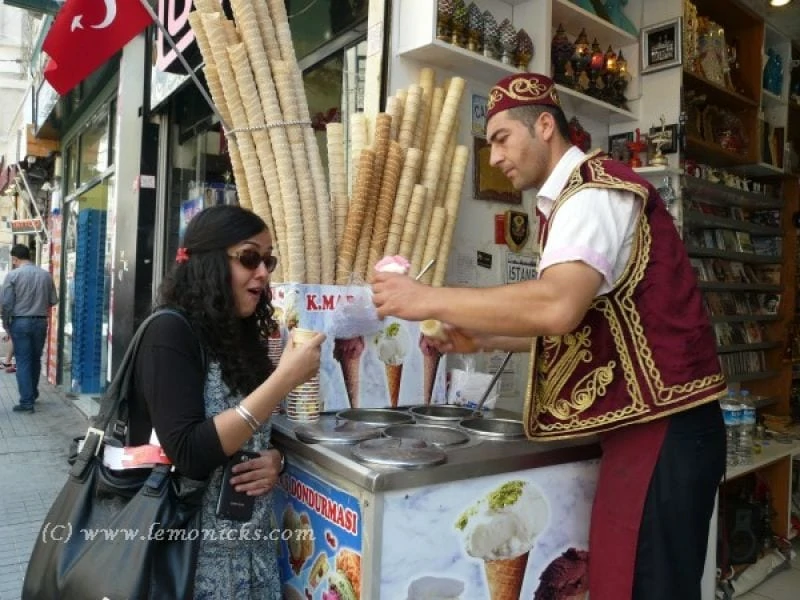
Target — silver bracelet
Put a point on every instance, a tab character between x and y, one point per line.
247	417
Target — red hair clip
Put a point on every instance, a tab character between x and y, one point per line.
182	255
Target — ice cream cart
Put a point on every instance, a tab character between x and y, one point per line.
497	519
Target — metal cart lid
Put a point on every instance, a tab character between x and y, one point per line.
438	435
441	412
330	431
500	429
395	452
375	416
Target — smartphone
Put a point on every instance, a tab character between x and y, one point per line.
237	506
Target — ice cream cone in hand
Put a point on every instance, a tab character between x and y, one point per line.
504	576
348	353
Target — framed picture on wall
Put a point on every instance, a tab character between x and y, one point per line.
489	182
671	132
618	146
661	46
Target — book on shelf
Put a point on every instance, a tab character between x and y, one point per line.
699	269
769	217
723	334
768	274
714	302
740	300
768	304
736	270
744	243
767	245
754	332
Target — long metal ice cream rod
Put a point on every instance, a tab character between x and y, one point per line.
477	411
425	270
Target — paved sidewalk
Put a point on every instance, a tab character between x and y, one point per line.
33	468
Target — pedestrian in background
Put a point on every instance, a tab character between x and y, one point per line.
28	294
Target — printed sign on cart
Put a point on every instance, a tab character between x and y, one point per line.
517	535
323	553
390	366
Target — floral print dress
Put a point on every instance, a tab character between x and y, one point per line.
236	559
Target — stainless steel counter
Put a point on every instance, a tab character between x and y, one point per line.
477	458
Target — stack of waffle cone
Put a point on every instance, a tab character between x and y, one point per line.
504	576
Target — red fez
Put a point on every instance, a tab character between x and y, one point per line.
522	89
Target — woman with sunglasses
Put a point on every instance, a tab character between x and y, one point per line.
209	400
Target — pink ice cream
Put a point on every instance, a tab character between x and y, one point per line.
393	264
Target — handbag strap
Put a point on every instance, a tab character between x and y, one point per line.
112	418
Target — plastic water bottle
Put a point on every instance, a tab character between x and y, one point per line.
746	429
731	413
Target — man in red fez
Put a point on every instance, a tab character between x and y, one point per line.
621	347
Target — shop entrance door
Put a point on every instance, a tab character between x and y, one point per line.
85	291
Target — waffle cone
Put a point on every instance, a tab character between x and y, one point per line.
394	374
504	576
351	370
430	365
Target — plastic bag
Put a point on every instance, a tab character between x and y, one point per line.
356	316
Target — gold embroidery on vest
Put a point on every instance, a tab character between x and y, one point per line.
550	371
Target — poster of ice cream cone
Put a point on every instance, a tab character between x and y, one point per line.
388	366
500	537
321	538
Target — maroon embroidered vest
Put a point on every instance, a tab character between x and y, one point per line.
643	350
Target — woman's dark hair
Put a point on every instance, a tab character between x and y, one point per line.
201	288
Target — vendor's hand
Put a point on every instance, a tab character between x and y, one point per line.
300	363
259	475
400	296
459	340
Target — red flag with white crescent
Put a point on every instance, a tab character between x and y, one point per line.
85	34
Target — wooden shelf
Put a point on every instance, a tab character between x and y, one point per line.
578	103
754	376
716	94
761	169
717	286
574	18
712	153
708	191
744	257
460	60
739	318
693	218
657	171
747	347
771	451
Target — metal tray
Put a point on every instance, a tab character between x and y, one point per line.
497	429
441	413
400	453
330	431
438	435
375	416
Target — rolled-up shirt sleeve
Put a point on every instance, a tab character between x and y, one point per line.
592	227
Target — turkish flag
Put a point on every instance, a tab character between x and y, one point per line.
85	34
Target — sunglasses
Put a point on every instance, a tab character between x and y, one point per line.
250	259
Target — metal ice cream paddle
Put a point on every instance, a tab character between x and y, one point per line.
482	401
424	270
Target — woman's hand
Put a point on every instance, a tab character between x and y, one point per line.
300	363
258	475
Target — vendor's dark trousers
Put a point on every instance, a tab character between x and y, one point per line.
28	335
673	536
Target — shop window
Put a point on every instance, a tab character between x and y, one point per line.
316	22
94	145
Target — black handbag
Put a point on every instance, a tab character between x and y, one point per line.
119	535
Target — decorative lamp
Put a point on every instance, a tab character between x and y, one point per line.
580	58
508	41
444	17
561	50
524	52
491	35
460	22
474	27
